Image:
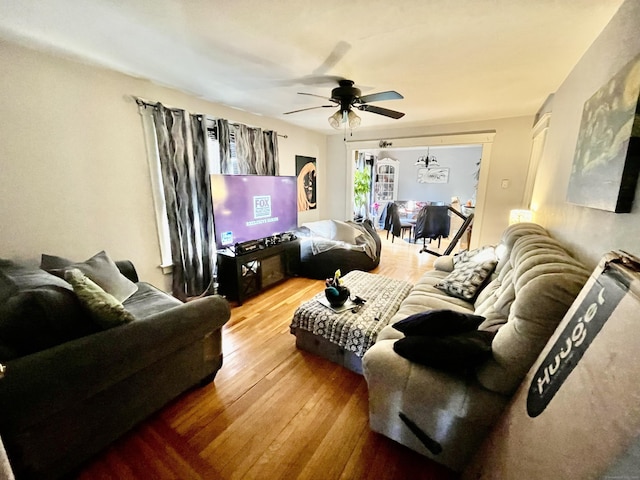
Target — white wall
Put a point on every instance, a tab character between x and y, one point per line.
73	164
589	232
509	160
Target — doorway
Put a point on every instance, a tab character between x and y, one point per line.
475	146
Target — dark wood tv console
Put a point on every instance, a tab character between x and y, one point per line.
241	276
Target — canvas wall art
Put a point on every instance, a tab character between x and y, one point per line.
306	174
433	175
606	163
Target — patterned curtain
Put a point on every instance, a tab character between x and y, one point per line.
183	161
271	152
224	140
256	151
246	165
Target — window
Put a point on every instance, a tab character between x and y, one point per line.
153	158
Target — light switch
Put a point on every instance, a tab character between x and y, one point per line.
505	183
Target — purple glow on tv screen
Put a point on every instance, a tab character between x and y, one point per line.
250	207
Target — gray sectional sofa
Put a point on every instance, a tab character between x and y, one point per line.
72	385
445	414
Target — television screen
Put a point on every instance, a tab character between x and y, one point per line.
251	207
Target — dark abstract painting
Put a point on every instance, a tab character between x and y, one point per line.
607	158
306	174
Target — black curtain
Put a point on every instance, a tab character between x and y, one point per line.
182	147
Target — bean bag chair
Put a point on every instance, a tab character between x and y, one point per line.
329	245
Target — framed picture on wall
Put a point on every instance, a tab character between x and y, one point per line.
306	174
606	163
433	175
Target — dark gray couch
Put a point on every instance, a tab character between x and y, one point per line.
71	388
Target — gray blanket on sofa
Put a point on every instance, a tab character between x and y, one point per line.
325	235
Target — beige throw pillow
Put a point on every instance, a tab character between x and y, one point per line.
105	309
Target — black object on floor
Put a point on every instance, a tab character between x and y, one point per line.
430	444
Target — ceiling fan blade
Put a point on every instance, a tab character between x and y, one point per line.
378	97
310	108
381	111
319	96
318	80
334	57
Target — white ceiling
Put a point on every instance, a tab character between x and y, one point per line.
453	60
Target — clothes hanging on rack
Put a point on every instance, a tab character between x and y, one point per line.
392	220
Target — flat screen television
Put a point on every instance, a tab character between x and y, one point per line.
251	207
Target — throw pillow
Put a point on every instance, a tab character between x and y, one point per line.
453	353
467	279
477	255
438	322
444	263
35	319
105	309
100	268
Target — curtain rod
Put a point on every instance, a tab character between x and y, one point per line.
146	103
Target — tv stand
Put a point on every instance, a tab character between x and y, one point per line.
243	275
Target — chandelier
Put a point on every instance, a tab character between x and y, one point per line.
426	160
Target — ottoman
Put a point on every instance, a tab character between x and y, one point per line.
344	336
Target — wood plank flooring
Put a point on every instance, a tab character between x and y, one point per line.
273	412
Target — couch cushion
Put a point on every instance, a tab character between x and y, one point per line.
509	237
149	300
545	281
103	307
100	268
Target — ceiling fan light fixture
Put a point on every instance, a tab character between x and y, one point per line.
336	119
354	120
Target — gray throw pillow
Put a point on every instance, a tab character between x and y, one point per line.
105	309
100	268
35	319
467	279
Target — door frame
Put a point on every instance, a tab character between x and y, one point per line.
483	138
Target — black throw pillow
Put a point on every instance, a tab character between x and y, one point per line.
438	322
453	353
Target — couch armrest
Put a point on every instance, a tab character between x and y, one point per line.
45	382
127	269
452	411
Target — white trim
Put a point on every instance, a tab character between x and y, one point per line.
484	138
426	140
539	136
157	191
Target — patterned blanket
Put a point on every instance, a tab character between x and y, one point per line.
354	332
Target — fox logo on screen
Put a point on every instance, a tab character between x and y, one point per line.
262	206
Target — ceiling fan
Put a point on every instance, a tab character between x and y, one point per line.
348	97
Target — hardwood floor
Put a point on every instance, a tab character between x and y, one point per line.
273	412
